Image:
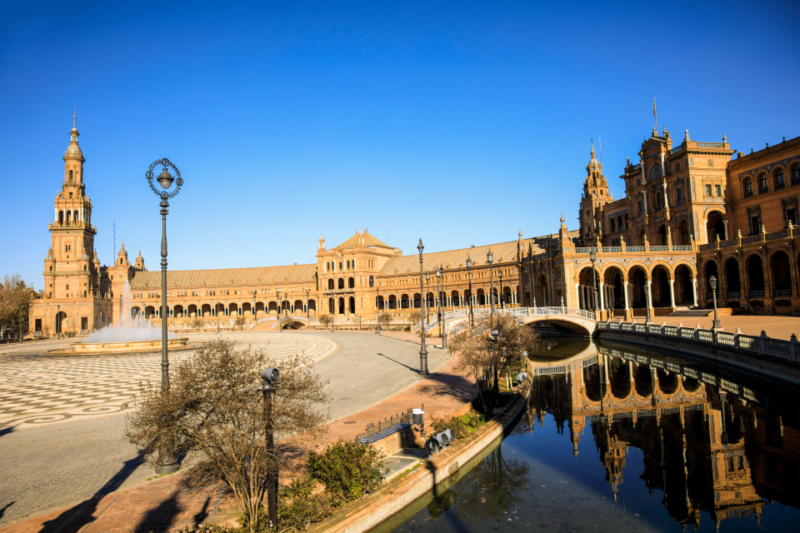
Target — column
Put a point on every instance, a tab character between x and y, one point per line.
625	292
578	295
727	235
694	291
602	296
649	302
672	292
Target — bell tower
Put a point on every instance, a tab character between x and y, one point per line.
69	269
595	195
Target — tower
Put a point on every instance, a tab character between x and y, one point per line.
595	195
69	269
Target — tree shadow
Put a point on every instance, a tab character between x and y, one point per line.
6	431
416	371
162	516
78	516
448	385
3	509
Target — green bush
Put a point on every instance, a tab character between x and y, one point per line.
462	426
348	469
299	505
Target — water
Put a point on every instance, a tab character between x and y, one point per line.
131	328
596	450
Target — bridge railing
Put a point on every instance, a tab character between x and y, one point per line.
763	345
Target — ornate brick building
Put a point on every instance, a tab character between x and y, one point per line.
683	206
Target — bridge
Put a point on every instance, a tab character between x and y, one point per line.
579	321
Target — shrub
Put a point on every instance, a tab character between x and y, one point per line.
348	469
300	504
462	426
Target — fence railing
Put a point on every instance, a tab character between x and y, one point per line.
385	428
763	345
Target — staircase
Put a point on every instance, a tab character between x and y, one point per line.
687	312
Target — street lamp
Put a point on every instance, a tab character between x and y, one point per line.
593	258
713	282
308	306
490	260
377	311
427	288
58	321
469	276
423	352
440	286
271	379
167	462
531	283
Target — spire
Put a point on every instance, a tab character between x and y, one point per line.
562	222
73	150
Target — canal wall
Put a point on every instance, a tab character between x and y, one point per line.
438	473
775	358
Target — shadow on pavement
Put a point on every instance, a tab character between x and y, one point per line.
3	509
162	516
416	371
6	431
78	516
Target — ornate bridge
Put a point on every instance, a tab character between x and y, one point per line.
577	320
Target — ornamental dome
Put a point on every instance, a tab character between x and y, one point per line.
594	164
73	150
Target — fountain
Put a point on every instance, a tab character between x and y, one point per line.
134	333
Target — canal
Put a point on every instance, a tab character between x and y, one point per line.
622	438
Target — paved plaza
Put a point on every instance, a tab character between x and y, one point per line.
61	433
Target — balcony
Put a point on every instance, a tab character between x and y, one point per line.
783	293
757	294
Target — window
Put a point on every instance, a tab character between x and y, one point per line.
755	226
711	162
791	216
641	207
718	190
70	175
613	225
762	183
658	199
780	183
691	162
67	247
796	174
371	281
680	195
748	187
70	195
708	190
677	167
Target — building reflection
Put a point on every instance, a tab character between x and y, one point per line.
709	442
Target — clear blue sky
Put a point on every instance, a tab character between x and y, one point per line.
459	123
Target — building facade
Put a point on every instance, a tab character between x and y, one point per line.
687	209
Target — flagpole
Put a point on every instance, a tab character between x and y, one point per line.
655	115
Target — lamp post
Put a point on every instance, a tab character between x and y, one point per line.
593	258
255	291
308	306
280	311
713	282
427	288
167	462
58	321
531	283
20	324
440	317
270	378
469	277
423	352
490	260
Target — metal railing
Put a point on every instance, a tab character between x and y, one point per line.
788	351
393	424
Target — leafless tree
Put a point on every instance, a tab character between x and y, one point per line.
325	320
385	318
215	407
487	361
15	297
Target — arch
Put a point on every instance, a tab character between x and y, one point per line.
404	301
637	277
667	382
69	216
661	235
733	282
796	174
351	283
613	279
135	312
247	309
455	298
381	303
233	309
482	300
61	321
330	284
205	309
755	276
541	290
372	281
683	285
417	300
613	225
149	312
660	292
273	306
710	268
593	387
642	381
778	178
331	306
340	283
619	222
298	306
781	274
763	186
747	187
619	377
351	305
683	232
715	225
61	218
392	301
312	307
178	310
341	305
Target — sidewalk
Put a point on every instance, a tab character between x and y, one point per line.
413	337
777	327
167	504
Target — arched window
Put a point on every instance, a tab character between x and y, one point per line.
341	283
658	199
780	182
613	225
351	283
330	284
70	175
619	223
762	183
655	172
748	187
796	174
371	281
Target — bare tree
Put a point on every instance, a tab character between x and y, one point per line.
325	320
15	298
385	318
487	361
215	407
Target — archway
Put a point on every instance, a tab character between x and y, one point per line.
683	285
586	287
331	306
781	274
454	299
661	235
715	225
341	305
755	276
732	280
330	284
61	322
683	232
541	291
660	287
481	297
351	283
638	278
710	269
351	305
341	283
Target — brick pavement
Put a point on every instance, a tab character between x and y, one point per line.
779	327
167	505
51	466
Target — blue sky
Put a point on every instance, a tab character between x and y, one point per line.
456	122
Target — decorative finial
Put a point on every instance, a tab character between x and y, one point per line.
654	131
562	221
592	148
75	117
520	233
685	135
725	138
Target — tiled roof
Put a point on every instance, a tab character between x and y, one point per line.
369	240
225	277
503	252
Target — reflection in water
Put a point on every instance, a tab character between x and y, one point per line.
666	434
